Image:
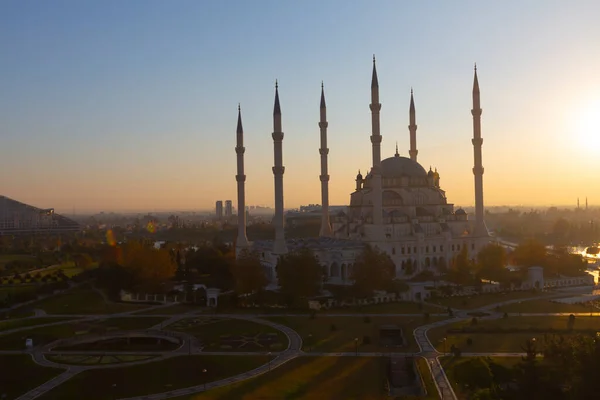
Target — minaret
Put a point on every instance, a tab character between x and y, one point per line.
412	128
480	228
279	246
242	240
324	151
376	144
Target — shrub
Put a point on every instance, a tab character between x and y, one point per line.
313	314
426	317
505	315
366	340
367	319
469	342
333	328
474	321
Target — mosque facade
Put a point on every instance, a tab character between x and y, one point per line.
398	206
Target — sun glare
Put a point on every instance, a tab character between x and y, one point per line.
589	128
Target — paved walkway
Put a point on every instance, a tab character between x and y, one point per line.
190	346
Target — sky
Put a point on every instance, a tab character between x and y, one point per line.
132	105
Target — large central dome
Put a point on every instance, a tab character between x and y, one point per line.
396	167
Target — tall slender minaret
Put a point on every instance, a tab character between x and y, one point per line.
324	151
480	228
375	107
242	240
279	246
412	128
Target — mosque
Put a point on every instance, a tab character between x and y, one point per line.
398	206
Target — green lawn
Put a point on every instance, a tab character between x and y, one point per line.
23	322
482	300
212	331
404	307
154	377
324	338
23	258
546	306
309	378
449	363
172	310
523	329
85	359
83	301
20	374
48	334
432	393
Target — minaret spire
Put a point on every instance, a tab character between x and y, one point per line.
324	177
242	239
480	228
412	128
375	107
279	246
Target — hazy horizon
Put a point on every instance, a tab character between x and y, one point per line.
112	106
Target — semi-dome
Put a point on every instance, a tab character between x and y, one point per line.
397	166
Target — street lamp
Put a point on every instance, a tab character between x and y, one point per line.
356	346
444	341
114	391
309	341
204	375
269	354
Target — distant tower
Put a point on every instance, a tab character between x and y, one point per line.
376	144
480	228
219	209
578	203
228	208
324	151
412	128
279	247
242	239
586	204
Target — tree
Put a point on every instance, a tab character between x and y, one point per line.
571	322
150	268
373	270
462	268
299	275
530	253
491	262
248	273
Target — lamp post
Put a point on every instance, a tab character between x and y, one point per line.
204	376
269	354
114	391
356	346
189	347
309	341
444	342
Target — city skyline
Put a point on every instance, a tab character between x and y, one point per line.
148	121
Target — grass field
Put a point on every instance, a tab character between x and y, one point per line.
528	328
83	301
171	310
23	322
324	338
482	300
404	307
154	377
20	374
211	333
449	363
309	378
432	393
22	258
546	306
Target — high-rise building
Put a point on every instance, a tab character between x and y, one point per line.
228	208
219	209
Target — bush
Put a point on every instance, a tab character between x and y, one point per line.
426	317
474	321
367	319
366	340
505	315
333	328
469	342
313	314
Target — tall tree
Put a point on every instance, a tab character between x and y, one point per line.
299	274
373	270
530	253
248	273
462	268
491	262
149	267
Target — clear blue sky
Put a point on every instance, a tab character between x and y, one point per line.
113	105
